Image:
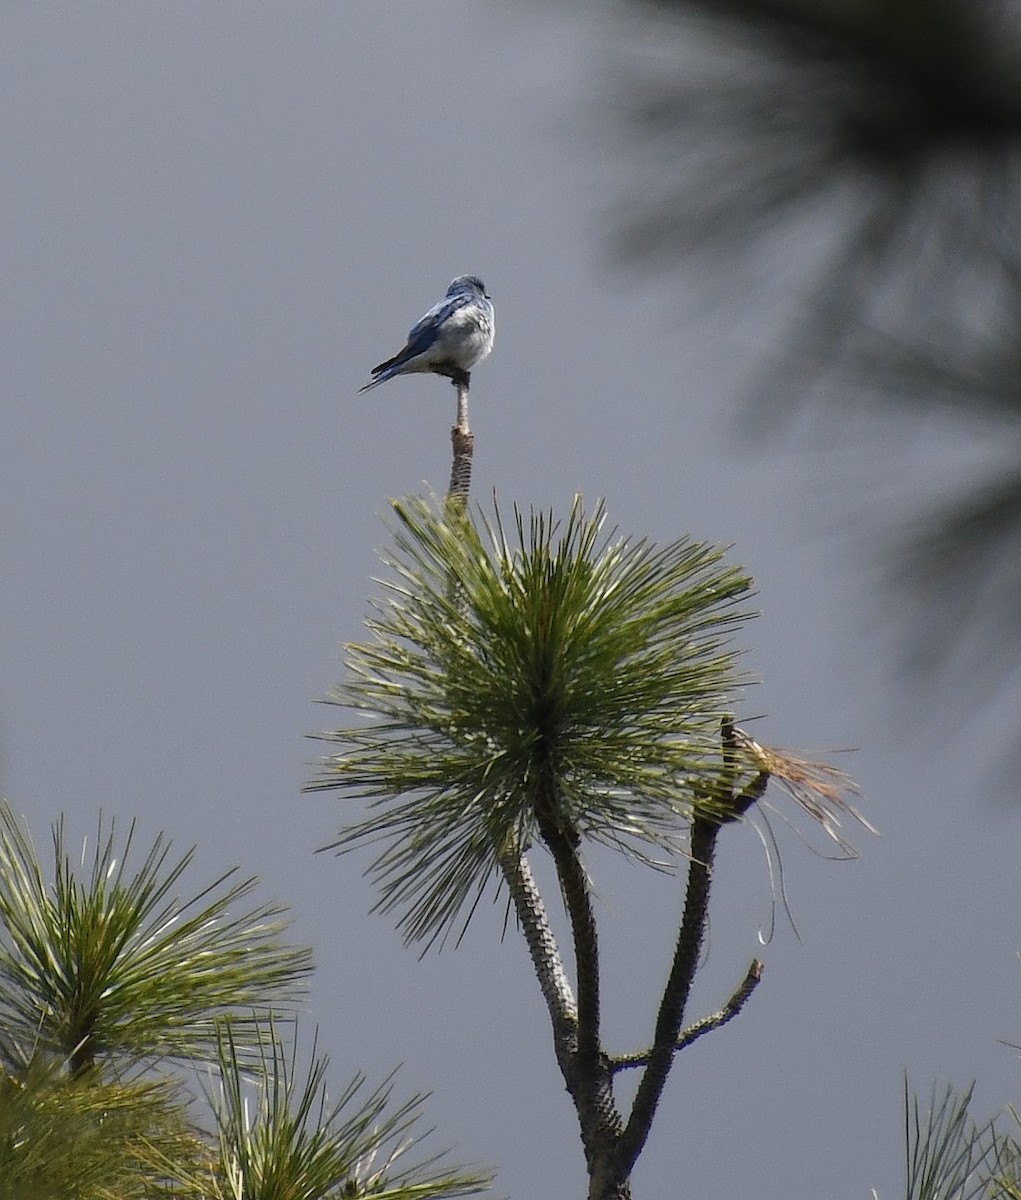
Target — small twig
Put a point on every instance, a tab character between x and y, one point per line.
736	804
728	1012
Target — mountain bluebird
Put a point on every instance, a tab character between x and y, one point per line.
449	340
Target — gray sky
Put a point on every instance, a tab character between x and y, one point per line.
218	217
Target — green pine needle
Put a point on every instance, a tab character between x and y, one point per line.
554	669
282	1138
92	1139
949	1156
108	965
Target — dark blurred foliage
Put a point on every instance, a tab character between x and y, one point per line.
867	153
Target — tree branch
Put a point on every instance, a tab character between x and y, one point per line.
727	805
704	832
542	947
728	1012
586	1071
574	886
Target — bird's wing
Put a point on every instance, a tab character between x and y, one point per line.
424	332
436	315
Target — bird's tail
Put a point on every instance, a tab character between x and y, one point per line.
385	370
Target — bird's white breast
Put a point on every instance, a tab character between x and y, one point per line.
468	336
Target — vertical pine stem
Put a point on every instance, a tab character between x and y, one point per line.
463	442
575	1024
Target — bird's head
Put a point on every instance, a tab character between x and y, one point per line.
468	283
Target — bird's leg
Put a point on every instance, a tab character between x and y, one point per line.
459	377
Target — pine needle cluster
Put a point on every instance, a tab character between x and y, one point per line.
546	672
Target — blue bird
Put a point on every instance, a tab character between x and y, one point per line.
449	340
